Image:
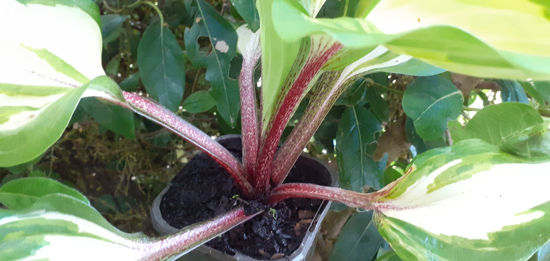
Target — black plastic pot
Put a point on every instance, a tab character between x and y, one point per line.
305	249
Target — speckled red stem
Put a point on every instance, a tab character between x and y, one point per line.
287	107
249	115
317	110
304	190
157	113
193	236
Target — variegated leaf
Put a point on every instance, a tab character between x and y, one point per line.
500	39
49	52
50	221
470	201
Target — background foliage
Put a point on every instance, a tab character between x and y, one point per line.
183	54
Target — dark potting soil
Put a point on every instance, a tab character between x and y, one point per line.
203	190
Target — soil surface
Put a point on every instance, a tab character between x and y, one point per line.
203	189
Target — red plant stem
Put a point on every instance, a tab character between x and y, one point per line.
306	190
249	115
316	111
284	112
157	113
193	236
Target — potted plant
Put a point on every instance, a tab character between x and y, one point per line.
425	214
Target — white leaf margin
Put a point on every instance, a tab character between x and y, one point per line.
67	32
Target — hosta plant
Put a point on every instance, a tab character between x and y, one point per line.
484	197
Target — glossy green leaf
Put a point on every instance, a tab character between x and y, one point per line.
247	9
470	201
511	91
199	101
222	43
131	83
496	124
445	33
358	240
354	139
161	65
112	117
111	26
430	102
377	104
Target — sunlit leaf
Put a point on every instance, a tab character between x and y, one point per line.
46	68
470	201
56	222
447	34
496	124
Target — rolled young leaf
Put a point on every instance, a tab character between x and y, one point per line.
470	201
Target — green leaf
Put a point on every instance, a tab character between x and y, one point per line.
358	239
112	117
223	43
353	94
377	104
471	201
247	9
200	101
111	26
113	66
354	141
430	102
161	65
498	123
511	91
445	34
538	90
23	193
131	83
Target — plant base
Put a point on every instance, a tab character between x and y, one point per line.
203	190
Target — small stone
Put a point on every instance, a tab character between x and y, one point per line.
277	256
